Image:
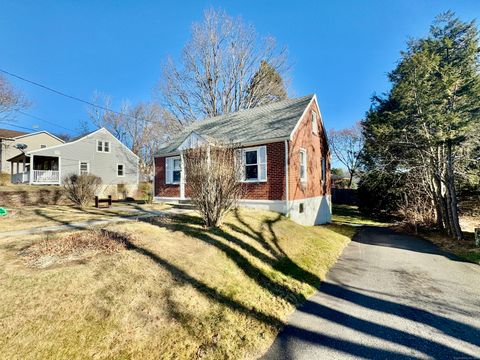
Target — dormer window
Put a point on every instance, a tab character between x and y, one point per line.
103	146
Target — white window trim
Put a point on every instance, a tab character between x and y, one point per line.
123	167
109	146
305	159
314	122
103	146
80	166
257	149
166	170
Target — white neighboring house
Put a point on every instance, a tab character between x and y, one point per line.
9	139
98	153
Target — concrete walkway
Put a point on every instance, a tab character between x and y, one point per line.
390	296
141	214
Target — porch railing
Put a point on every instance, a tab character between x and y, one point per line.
20	178
45	176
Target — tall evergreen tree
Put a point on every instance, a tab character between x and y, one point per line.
425	130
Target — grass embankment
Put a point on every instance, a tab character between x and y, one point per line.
176	291
464	249
30	217
347	214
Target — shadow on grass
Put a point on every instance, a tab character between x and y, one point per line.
275	257
279	260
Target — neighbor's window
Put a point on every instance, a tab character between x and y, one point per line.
324	169
314	123
120	170
255	164
303	165
173	170
84	168
103	146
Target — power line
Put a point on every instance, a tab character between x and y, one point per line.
71	97
62	93
20	127
41	119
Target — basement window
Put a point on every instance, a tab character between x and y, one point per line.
300	208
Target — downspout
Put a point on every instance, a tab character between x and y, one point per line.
287	203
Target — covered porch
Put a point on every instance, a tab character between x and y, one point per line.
35	169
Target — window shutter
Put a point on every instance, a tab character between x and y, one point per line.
262	163
168	170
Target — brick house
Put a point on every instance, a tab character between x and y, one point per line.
285	155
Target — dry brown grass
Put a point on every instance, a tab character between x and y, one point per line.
178	292
29	217
74	246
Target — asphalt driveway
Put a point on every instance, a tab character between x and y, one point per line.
390	296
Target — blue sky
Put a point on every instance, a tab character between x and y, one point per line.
341	50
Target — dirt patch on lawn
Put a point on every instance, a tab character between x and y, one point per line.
75	246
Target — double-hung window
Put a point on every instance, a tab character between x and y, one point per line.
324	170
84	168
255	164
120	170
103	146
303	165
173	170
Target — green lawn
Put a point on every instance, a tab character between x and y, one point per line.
347	214
177	291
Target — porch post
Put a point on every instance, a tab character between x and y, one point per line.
11	171
30	176
24	164
182	177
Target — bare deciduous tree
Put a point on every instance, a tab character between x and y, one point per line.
10	100
142	127
212	173
224	68
347	145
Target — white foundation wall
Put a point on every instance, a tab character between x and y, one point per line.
271	205
127	190
316	210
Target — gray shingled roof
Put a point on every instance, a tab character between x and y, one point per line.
8	134
272	121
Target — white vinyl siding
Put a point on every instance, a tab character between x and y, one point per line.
255	164
303	165
173	170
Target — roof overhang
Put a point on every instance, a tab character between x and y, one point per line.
239	144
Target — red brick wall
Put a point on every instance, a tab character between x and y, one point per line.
162	189
272	189
316	147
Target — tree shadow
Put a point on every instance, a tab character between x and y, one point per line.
373	329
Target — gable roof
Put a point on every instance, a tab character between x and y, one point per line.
9	134
40	132
102	129
269	122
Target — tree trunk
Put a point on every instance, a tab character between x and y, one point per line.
452	196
